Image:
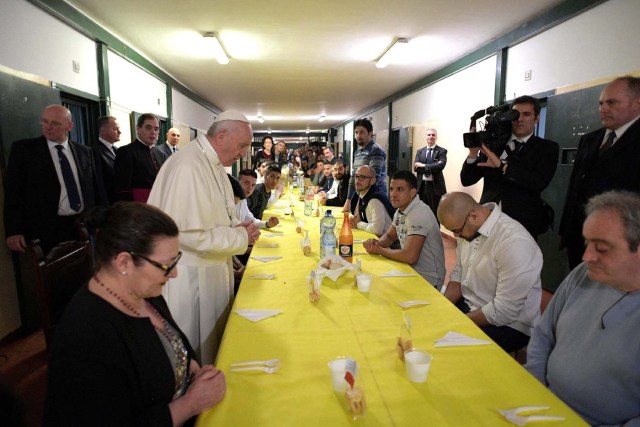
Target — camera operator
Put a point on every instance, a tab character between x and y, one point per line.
517	174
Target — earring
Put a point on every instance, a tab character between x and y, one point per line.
124	273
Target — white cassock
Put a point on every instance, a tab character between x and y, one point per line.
192	187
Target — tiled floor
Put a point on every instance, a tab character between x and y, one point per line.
23	363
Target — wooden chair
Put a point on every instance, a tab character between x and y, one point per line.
58	276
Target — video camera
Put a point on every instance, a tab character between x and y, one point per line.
497	128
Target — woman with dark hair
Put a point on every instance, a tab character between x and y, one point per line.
266	152
118	357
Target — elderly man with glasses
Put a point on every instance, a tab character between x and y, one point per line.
496	279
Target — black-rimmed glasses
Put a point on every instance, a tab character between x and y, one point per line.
363	177
164	267
458	231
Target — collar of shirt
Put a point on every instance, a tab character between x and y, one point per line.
52	144
105	143
433	147
413	204
492	219
524	140
622	129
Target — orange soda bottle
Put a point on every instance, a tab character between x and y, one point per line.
345	241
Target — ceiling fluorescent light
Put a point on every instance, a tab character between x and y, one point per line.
261	119
321	118
395	52
214	45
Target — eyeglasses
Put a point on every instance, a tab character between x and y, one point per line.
363	177
457	231
166	268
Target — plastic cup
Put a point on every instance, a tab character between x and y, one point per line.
364	282
338	370
417	363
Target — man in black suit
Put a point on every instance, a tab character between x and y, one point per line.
50	182
607	159
171	145
105	151
429	163
516	176
138	163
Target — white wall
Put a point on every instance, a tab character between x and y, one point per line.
446	106
601	42
35	42
190	113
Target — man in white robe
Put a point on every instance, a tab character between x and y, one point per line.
192	187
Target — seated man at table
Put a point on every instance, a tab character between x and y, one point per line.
327	170
416	228
370	206
337	195
586	347
496	279
258	201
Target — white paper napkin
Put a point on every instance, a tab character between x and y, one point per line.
412	303
396	273
358	240
262	276
513	415
452	339
267	245
257	315
266	258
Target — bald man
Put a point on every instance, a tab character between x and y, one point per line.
496	279
50	182
171	145
210	232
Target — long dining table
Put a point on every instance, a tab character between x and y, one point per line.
466	385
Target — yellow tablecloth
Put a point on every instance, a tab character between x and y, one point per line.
465	385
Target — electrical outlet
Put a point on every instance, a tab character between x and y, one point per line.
76	67
527	75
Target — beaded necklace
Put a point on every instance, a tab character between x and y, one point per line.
173	338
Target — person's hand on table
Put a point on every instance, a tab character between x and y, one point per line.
372	246
252	231
272	222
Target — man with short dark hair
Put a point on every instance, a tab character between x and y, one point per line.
371	208
327	152
607	159
496	279
368	153
517	175
327	170
416	228
138	163
105	150
258	201
337	195
586	347
247	179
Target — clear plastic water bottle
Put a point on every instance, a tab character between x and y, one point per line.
327	235
308	202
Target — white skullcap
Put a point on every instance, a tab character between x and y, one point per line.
231	115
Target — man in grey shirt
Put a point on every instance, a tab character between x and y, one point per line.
416	228
586	347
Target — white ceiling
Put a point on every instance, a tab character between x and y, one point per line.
292	61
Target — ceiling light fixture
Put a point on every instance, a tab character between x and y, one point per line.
321	118
395	52
261	119
215	46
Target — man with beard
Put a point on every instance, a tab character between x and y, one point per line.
368	153
337	195
496	279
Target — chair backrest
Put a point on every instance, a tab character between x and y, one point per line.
59	275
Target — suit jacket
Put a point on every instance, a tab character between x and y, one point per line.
32	188
105	162
135	168
618	168
529	172
165	150
439	159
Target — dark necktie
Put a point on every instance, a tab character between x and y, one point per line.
429	156
609	142
69	180
174	150
517	145
113	148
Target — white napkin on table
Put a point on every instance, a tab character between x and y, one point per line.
412	303
359	240
266	258
452	339
267	245
262	276
257	315
396	273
